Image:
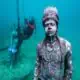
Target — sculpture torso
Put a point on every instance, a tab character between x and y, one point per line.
50	57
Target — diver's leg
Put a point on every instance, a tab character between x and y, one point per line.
12	60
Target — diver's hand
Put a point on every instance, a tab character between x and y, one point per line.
30	22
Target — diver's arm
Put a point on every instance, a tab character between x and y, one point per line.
37	64
29	28
68	64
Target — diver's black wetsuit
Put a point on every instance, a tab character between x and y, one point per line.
18	37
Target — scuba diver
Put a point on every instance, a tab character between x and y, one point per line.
17	38
54	54
19	35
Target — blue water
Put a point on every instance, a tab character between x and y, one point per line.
69	26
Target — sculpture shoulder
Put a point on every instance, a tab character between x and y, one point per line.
39	45
66	43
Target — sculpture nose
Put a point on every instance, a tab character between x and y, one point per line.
49	28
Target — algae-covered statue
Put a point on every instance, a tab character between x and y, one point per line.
54	54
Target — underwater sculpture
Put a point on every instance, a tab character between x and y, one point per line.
54	54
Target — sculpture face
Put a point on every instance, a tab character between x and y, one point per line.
50	27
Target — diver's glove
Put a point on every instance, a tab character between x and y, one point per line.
30	22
